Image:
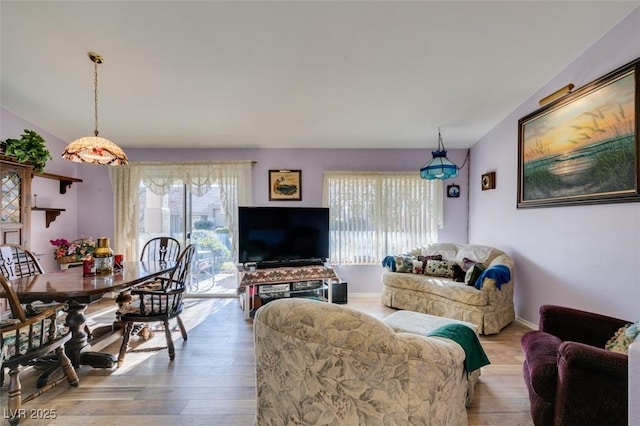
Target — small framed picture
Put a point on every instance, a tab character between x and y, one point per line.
453	191
488	181
285	185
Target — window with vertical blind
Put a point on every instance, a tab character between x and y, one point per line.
373	214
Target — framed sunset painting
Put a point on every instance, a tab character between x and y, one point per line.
583	148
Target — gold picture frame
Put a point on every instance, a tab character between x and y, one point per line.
285	185
488	181
584	147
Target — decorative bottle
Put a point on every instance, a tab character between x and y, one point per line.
88	266
103	256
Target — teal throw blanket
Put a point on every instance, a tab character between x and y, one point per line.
467	338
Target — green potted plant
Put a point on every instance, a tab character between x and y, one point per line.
30	148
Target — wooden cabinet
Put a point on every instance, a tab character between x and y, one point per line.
16	200
15	205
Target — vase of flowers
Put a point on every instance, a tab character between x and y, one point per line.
74	251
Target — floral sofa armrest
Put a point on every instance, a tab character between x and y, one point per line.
499	273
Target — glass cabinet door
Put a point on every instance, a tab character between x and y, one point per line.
14	207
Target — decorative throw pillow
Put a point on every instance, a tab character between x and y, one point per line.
473	274
467	263
440	268
623	338
458	273
431	257
425	259
404	263
418	267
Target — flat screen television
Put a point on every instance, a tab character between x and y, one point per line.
283	236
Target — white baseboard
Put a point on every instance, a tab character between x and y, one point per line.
526	323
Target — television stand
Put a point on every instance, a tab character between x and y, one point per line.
260	286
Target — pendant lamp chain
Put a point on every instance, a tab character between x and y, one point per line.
94	149
439	167
96	60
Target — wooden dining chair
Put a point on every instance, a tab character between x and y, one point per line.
16	262
26	340
160	249
157	301
157	249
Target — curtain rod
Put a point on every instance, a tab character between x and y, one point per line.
195	163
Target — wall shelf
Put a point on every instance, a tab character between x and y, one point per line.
50	214
65	181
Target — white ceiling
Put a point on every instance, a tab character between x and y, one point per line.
316	74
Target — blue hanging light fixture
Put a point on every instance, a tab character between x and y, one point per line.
439	167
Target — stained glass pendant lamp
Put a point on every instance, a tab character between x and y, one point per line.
94	149
439	167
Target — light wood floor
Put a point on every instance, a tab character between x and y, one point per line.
211	380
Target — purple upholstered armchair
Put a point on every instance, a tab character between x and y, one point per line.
571	378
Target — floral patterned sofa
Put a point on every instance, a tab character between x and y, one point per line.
472	283
324	364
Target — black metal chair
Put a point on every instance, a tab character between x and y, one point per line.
26	340
157	301
160	249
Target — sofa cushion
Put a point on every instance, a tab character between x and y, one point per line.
448	251
443	287
30	337
541	355
476	253
156	305
440	268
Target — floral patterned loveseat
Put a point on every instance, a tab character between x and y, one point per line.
467	282
324	364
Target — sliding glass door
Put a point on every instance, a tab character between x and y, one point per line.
193	219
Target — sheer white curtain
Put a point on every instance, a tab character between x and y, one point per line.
233	178
373	214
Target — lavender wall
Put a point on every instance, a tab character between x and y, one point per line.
581	256
89	204
65	225
312	162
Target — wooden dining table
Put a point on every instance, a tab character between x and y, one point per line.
77	291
